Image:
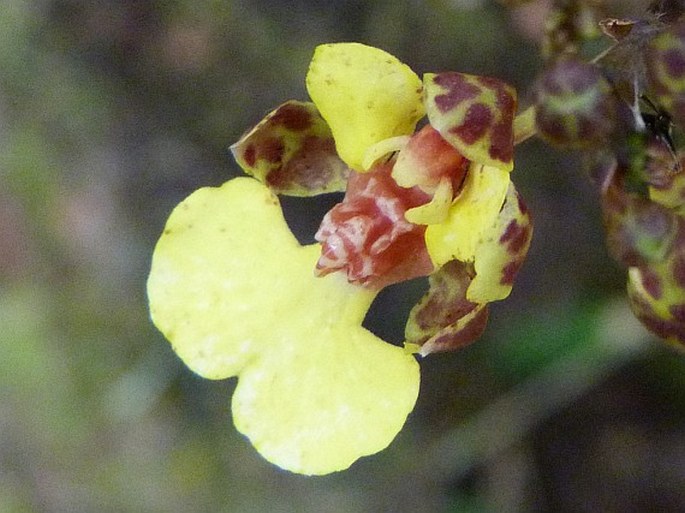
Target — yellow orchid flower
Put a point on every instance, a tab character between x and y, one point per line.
236	295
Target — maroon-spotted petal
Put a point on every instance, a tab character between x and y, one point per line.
444	320
475	114
292	151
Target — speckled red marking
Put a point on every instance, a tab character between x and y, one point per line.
675	63
293	117
515	237
501	144
651	283
679	270
510	271
308	167
678	312
271	150
453	339
523	208
476	123
446	303
250	155
458	90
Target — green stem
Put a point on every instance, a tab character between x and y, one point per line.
524	125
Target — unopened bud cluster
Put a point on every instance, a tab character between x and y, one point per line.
626	112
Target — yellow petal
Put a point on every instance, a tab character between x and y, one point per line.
501	252
316	409
365	94
235	294
437	209
383	149
471	214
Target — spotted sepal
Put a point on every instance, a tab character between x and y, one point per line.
444	320
292	152
502	251
665	60
657	295
475	114
639	231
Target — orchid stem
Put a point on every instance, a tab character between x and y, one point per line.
524	125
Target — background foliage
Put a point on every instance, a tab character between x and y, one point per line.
112	112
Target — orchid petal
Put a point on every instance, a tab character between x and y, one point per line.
365	94
444	319
502	251
475	114
234	293
292	151
471	215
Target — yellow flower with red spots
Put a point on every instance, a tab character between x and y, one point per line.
237	295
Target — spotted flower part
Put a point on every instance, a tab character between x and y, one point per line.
647	235
368	235
236	295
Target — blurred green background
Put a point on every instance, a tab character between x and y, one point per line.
112	112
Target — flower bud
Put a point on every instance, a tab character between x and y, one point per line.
657	293
639	231
575	104
665	68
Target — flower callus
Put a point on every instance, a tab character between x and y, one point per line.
368	236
